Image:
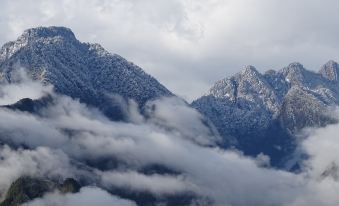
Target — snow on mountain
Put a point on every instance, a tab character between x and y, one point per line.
254	112
86	71
262	113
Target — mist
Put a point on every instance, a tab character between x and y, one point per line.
66	133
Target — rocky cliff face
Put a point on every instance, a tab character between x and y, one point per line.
28	188
257	112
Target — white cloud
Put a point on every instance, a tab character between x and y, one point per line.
172	137
175	114
21	87
23	128
155	184
209	172
39	162
87	196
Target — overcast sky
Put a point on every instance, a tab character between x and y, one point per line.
189	44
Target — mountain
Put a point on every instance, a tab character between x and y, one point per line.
26	188
263	113
86	71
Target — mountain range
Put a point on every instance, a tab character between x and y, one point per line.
263	113
254	113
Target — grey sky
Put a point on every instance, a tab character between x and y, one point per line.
189	44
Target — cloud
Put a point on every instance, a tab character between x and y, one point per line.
87	196
21	87
26	129
222	176
175	114
41	161
155	184
69	139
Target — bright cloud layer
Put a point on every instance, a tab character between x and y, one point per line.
69	134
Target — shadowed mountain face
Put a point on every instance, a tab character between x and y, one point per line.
80	70
30	105
262	113
28	188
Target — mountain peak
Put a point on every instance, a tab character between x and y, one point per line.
262	113
30	36
249	69
294	67
294	73
80	70
249	72
330	70
48	32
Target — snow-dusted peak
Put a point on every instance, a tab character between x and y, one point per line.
250	70
257	112
48	32
247	89
80	70
293	69
39	34
249	74
330	70
294	73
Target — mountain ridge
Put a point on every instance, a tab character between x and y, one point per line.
85	71
246	106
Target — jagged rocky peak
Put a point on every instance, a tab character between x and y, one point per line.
294	73
250	79
250	70
294	67
227	87
249	73
330	70
267	110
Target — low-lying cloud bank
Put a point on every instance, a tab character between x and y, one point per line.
21	86
65	134
88	196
